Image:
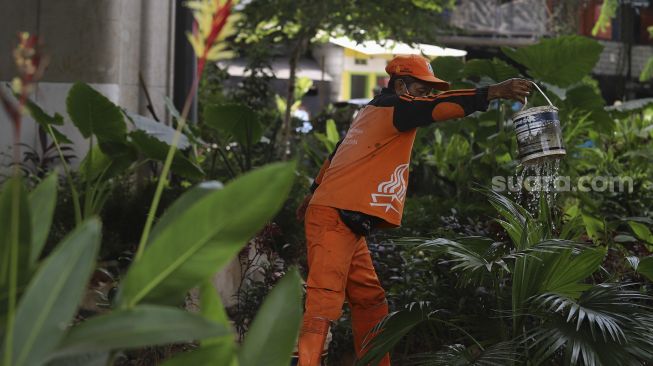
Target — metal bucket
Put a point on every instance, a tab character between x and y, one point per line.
539	136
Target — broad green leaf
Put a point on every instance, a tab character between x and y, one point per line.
94	114
594	227
47	122
211	304
41	117
271	337
236	120
98	165
564	272
183	203
42	202
160	131
647	71
448	68
140	326
645	267
562	61
15	227
495	69
584	98
206	236
219	350
88	359
332	132
641	231
52	297
156	149
223	355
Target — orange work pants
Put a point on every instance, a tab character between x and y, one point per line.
339	267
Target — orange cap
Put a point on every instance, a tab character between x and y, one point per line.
417	67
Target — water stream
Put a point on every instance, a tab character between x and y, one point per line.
536	180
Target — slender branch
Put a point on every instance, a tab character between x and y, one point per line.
166	169
69	178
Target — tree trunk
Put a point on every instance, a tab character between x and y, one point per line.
286	130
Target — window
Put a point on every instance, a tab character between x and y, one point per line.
360	61
358	86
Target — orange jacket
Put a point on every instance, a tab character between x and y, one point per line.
368	171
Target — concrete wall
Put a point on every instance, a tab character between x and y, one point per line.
105	43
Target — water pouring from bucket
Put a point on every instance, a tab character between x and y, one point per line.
539	137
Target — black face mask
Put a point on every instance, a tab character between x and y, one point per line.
358	222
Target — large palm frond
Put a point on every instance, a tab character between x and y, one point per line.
391	329
609	324
500	354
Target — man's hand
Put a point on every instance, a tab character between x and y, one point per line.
301	210
515	89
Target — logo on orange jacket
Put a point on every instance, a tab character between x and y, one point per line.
391	192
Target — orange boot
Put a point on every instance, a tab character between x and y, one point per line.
362	321
311	341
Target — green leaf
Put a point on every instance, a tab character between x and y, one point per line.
46	122
52	297
332	132
88	359
647	71
41	117
14	224
98	165
564	271
222	355
94	114
562	61
448	68
495	69
219	350
158	130
183	203
594	227
236	120
222	222
140	326
641	231
156	149
645	267
42	202
271	338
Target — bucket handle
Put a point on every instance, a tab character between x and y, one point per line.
541	92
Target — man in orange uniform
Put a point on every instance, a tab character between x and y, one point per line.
362	186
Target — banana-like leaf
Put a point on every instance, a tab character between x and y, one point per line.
183	203
236	120
94	114
153	148
222	222
271	338
15	229
160	131
88	359
643	266
448	68
52	297
495	69
141	326
562	61
42	201
47	122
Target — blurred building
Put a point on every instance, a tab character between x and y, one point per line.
358	69
481	27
